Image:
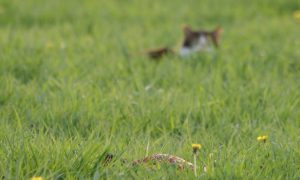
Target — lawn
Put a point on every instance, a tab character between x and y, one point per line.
74	86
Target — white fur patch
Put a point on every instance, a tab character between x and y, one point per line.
202	45
185	51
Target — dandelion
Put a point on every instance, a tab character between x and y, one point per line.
196	148
37	178
49	45
262	138
297	15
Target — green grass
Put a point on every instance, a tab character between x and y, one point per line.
69	92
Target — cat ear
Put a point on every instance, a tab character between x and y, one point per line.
216	36
186	29
219	29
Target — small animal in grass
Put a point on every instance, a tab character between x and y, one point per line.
158	53
195	41
155	54
152	160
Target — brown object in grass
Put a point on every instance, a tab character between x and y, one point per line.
159	52
155	159
165	158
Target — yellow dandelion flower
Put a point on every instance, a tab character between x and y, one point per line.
297	15
196	147
37	178
49	45
262	138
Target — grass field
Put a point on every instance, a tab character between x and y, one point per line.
70	92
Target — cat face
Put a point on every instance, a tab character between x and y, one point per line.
195	41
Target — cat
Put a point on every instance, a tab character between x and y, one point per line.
195	41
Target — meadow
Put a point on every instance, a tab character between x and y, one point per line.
71	91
